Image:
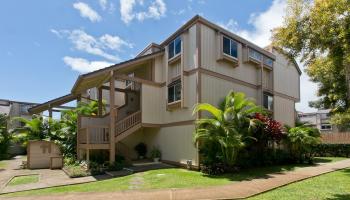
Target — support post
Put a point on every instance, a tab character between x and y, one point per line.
112	118
50	111
100	101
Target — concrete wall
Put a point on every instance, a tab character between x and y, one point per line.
39	154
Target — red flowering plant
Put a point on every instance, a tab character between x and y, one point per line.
270	129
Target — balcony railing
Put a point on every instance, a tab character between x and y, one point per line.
93	135
128	122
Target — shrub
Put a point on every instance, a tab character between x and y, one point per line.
337	150
75	171
5	137
155	153
141	149
301	141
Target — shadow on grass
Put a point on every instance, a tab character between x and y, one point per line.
340	197
322	160
262	172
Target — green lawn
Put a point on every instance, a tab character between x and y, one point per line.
167	178
25	179
332	186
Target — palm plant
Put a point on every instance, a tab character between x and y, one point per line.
228	126
301	140
36	128
90	108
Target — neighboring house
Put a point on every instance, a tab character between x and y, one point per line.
319	119
15	109
150	98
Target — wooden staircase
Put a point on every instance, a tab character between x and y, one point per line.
127	126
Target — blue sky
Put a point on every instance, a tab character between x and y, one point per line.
45	44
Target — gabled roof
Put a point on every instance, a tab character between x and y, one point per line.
100	76
271	47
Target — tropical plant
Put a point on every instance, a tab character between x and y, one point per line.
228	126
90	108
36	128
141	149
155	153
302	140
5	136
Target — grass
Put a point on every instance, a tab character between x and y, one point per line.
332	186
25	179
168	178
3	164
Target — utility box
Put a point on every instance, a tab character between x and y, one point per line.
43	155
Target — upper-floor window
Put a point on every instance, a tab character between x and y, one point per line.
174	91
229	47
255	55
326	127
174	47
268	61
268	101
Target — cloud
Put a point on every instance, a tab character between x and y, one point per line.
95	46
156	9
260	34
105	5
87	12
83	66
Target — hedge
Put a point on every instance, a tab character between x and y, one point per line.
337	150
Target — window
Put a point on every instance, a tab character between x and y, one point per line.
174	91
229	47
268	61
174	47
255	55
24	108
326	127
268	101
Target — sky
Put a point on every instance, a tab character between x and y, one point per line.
45	45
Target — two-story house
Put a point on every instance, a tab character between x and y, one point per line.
150	98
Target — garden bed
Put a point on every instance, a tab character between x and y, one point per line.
23	179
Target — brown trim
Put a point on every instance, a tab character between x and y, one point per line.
174	105
190	72
139	80
286	96
171	124
227	78
52	103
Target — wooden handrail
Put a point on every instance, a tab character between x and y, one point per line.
128	122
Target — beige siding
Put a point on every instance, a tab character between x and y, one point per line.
175	143
286	76
267	79
190	56
159	70
215	89
210	47
152	103
174	70
284	110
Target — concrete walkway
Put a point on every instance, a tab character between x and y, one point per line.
238	190
47	177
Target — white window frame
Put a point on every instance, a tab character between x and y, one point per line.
173	84
174	49
231	40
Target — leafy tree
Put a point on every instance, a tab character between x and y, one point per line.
228	126
5	136
319	32
341	120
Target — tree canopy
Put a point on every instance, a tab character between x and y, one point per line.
318	32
